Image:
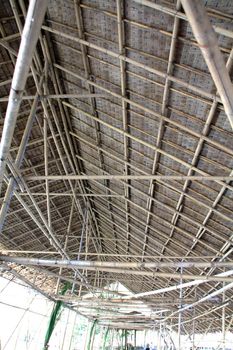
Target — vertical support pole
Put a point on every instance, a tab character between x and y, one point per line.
80	245
46	170
112	339
179	320
193	337
87	244
135	339
163	337
125	339
160	334
122	339
223	321
194	313
66	240
92	340
92	335
46	154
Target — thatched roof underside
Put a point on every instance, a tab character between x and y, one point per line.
138	122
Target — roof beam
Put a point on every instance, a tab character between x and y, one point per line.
208	44
55	96
161	129
117	177
179	14
157	72
125	268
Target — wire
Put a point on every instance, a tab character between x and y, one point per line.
21	318
22	308
9	281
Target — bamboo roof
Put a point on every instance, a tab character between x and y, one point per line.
137	100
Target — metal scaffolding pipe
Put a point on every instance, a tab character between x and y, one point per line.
55	96
85	263
196	279
207	297
19	251
129	177
207	40
182	285
33	23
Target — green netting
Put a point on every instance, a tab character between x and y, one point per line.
54	317
92	330
105	338
123	337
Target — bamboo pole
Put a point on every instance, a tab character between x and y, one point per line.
55	96
20	156
49	235
223	319
161	128
196	279
49	252
208	44
46	169
85	220
85	263
197	153
142	107
193	325
122	51
129	177
92	102
179	14
36	12
180	314
55	118
111	53
207	297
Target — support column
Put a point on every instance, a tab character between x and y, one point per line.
193	337
125	339
112	338
179	321
80	245
223	321
194	314
160	334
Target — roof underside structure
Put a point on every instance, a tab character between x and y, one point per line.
119	124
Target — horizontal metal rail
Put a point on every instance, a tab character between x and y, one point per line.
86	263
129	177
